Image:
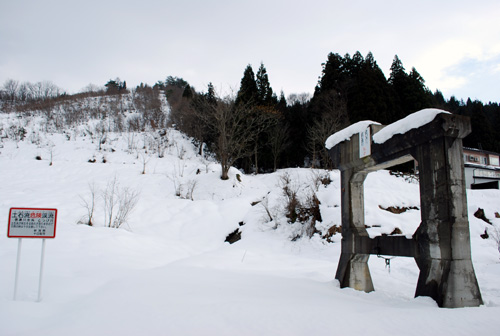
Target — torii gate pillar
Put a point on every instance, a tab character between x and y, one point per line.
441	244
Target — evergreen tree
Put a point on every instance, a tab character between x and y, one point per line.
248	88
159	85
370	96
453	105
492	111
333	75
264	91
357	60
256	94
175	82
112	86
332	81
438	100
188	92
398	81
281	105
210	96
410	91
398	72
482	135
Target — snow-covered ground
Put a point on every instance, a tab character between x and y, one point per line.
168	271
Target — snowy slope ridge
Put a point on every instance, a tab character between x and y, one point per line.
168	271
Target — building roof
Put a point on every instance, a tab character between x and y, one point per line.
480	151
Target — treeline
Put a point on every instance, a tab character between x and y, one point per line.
291	132
257	129
118	108
360	83
14	91
248	129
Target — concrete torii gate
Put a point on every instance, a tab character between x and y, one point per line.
441	244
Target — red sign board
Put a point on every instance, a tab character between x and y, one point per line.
32	223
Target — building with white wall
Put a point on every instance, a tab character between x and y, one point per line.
482	169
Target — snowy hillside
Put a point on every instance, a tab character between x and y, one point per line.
167	270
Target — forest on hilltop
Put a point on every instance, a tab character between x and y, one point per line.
255	129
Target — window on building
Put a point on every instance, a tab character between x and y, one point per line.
473	158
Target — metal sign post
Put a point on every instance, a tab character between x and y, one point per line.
18	262
41	272
31	223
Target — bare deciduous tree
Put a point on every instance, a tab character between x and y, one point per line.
89	205
118	203
189	190
23	92
144	157
233	126
301	98
98	133
279	141
92	88
50	149
43	90
267	118
11	87
332	119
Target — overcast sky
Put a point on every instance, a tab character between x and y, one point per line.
454	45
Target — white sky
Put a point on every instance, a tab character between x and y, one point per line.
455	45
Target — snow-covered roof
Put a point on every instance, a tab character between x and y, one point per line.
414	120
347	132
480	151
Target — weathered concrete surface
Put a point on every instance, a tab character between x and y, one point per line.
441	244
